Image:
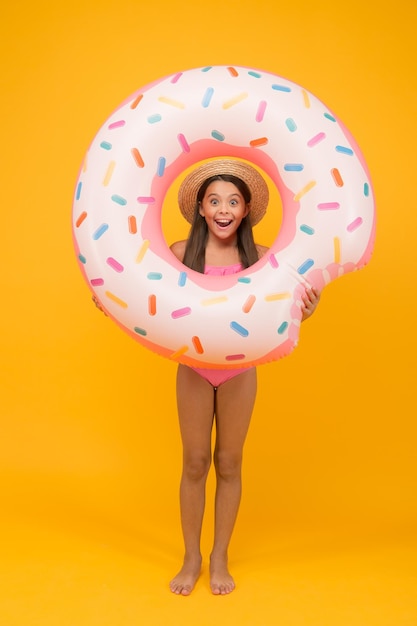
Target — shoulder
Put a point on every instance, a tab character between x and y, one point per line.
178	249
261	250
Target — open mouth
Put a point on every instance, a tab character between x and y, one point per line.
223	223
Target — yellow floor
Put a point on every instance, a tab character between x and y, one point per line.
87	572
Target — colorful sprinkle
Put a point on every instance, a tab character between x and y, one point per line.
216	135
100	231
283	88
328	206
132	224
261	111
305	266
161	166
182	279
146	199
308	230
261	141
240	330
80	219
207	68
140	331
290	124
97	282
117	124
355	224
179	352
305	190
119	200
172	103
337	177
316	139
244	279
366	189
230	103
293	167
336	249
78	192
197	345
211	301
115	265
306	98
82	259
181	312
344	150
142	251
106	145
235	357
137	157
254	74
136	101
329	117
116	300
273	261
272	297
154	276
176	77
207	97
109	173
152	304
233	72
154	119
183	143
281	329
250	301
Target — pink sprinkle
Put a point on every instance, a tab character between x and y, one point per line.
274	263
181	312
97	282
324	206
261	111
176	78
116	124
146	200
355	224
235	357
115	264
316	139
183	143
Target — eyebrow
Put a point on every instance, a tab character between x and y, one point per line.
229	196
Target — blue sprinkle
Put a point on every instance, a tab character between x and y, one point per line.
255	74
161	166
182	279
78	193
100	231
307	229
366	189
154	276
82	258
282	328
239	329
119	200
305	266
244	279
152	119
106	145
216	135
207	97
281	88
206	69
344	150
293	167
330	117
140	331
290	124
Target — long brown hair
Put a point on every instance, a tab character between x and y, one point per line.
195	250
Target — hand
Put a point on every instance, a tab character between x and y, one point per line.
99	305
310	299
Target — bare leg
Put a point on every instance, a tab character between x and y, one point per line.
195	398
234	405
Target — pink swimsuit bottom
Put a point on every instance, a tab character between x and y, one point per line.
213	376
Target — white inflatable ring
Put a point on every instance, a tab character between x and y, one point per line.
328	213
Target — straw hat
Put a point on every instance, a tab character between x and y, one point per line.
187	194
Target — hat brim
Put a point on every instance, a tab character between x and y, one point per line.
187	193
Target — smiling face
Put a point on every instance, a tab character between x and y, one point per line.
223	208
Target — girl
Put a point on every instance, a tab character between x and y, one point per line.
222	200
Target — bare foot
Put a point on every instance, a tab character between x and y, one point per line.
184	581
221	582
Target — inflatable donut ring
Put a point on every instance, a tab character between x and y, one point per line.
327	229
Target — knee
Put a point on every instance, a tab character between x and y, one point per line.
228	466
196	467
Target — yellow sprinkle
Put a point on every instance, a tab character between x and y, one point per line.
278	296
109	173
180	352
304	190
142	250
117	300
336	245
211	301
235	100
173	103
85	162
306	99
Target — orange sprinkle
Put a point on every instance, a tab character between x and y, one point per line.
81	219
152	304
137	157
337	177
233	71
133	227
337	252
136	101
197	345
306	99
261	141
249	304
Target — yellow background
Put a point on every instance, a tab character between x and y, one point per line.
90	453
